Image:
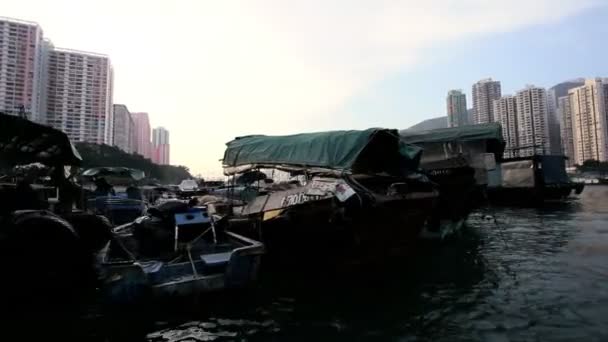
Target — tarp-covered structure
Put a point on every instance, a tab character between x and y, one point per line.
23	142
478	146
490	132
371	150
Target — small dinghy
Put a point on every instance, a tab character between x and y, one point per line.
176	250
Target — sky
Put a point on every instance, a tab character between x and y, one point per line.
210	71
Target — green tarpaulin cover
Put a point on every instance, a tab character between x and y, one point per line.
489	131
23	142
338	150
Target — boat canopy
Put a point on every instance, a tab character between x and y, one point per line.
24	142
344	151
489	131
489	134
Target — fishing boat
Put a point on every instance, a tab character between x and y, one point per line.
329	194
176	251
458	160
531	180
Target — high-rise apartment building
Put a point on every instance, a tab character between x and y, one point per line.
142	134
532	126
79	100
505	112
564	112
554	112
124	129
484	93
589	121
160	145
457	108
21	68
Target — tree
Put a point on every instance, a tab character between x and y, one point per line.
94	155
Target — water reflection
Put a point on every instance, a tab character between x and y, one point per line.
403	298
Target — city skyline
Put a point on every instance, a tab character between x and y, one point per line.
69	89
230	69
569	118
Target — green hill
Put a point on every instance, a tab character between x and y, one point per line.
428	124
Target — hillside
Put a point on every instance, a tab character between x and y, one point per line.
434	123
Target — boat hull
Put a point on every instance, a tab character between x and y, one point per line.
323	233
137	281
528	195
458	191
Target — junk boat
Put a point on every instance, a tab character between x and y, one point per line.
320	195
457	159
531	180
176	250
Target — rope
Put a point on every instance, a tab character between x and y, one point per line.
189	248
192	263
124	248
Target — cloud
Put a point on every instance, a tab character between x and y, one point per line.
211	70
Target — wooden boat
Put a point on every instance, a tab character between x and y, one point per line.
177	252
333	194
458	160
531	180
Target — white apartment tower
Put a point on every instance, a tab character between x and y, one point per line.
564	112
505	112
456	103
79	95
532	121
484	93
21	68
555	120
589	121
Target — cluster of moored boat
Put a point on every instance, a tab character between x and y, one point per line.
308	199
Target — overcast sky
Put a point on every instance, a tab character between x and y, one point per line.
212	70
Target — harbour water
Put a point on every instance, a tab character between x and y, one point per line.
515	274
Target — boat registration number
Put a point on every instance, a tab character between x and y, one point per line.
298	198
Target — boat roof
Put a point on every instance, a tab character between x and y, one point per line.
23	142
488	131
332	150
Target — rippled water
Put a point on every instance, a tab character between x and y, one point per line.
529	275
